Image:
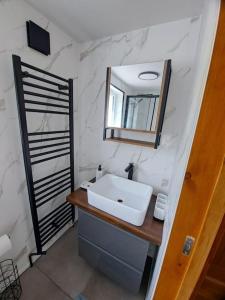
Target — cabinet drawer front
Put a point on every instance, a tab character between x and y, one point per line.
121	244
115	269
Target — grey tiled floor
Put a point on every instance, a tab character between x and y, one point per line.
62	275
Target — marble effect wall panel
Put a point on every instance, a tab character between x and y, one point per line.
15	217
176	41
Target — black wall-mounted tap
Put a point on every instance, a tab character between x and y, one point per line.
130	170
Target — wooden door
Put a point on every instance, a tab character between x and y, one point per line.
211	284
202	201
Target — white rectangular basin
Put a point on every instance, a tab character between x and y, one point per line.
120	197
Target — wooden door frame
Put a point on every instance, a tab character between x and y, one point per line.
201	205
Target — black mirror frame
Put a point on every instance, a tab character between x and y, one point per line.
160	118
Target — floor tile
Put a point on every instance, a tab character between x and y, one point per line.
100	287
36	286
63	275
63	264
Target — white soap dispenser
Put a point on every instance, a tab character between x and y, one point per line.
99	172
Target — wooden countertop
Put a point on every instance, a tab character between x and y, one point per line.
151	229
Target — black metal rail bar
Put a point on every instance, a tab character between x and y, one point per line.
47	132
29	75
45	96
48	146
52	186
45	104
49	139
51	175
46	111
43	72
71	142
37	86
53	196
51	192
49	158
55	222
49	152
47	218
50	181
52	233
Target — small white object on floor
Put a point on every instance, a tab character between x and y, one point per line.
5	245
86	185
160	207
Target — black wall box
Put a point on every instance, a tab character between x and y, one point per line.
38	38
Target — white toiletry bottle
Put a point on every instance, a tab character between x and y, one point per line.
99	172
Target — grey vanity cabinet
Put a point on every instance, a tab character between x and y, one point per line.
115	252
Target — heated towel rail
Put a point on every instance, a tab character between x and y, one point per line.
41	92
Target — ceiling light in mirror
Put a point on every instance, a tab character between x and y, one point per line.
148	75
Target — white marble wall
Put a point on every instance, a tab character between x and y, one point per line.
15	217
175	40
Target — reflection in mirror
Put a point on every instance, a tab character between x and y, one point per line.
141	112
134	96
115	107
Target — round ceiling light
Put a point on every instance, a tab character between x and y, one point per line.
148	75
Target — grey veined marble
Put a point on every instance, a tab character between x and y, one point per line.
86	64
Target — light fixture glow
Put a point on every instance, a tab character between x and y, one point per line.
148	75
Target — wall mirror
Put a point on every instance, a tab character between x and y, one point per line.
135	101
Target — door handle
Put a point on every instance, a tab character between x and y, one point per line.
188	244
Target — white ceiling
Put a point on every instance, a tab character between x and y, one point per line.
86	20
129	75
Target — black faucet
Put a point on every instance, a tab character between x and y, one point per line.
130	170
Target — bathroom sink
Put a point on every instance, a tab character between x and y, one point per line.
120	197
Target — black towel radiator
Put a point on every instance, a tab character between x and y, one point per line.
45	189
